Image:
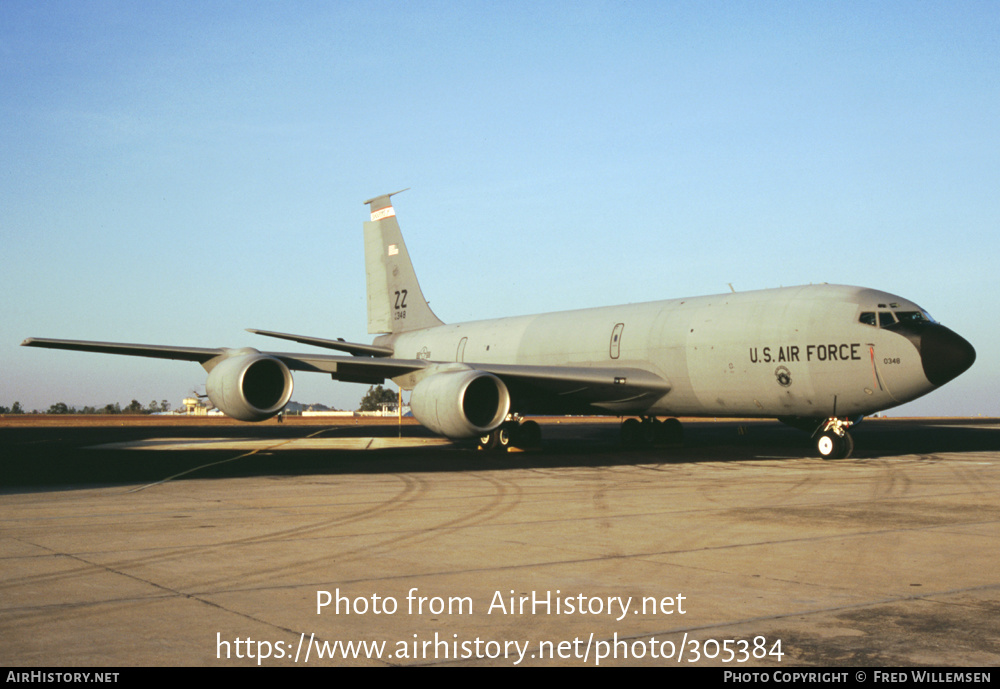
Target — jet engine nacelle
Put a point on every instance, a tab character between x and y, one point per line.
460	404
249	386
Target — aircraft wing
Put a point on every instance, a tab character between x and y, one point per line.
199	354
556	388
346	368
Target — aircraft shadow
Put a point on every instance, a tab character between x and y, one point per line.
65	458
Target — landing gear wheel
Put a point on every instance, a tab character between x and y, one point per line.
848	445
511	434
489	440
671	432
834	441
631	432
529	435
828	445
505	435
833	446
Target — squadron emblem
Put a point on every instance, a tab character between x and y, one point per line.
784	376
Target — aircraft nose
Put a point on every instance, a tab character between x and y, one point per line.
945	354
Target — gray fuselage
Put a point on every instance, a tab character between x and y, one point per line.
812	351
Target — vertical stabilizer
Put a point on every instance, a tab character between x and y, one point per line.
395	302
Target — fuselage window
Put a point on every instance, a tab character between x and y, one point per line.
885	318
868	318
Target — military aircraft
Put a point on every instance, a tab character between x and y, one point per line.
819	357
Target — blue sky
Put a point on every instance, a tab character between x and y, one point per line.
176	172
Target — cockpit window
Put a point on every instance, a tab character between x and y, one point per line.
885	319
913	317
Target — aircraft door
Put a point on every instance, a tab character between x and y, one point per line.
460	352
616	340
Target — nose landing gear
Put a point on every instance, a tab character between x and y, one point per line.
833	440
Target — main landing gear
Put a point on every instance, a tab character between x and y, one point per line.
650	430
833	440
514	432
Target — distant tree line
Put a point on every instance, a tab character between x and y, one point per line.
375	399
134	407
378	397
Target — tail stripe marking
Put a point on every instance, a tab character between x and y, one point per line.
386	212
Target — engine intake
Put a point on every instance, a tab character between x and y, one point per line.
249	386
460	404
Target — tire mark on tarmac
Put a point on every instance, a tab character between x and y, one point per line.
407	493
504	497
270	448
